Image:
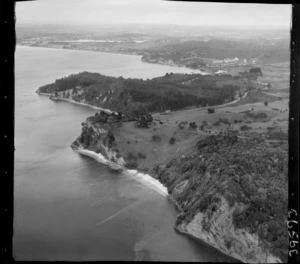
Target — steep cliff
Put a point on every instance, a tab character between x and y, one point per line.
97	138
217	229
232	194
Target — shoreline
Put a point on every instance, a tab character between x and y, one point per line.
70	100
78	103
84	104
198	71
152	183
80	50
154	113
147	179
180	231
110	111
46	94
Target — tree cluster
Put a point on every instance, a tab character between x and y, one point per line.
246	171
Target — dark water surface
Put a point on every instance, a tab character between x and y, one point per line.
70	207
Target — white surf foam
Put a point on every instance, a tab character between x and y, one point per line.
150	182
47	94
142	177
91	106
97	156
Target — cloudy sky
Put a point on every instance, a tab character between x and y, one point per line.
152	11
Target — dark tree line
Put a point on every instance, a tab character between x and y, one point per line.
159	94
244	171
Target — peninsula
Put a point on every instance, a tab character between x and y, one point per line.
218	143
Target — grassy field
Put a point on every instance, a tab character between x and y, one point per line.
263	119
250	115
278	74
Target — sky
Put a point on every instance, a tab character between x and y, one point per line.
152	12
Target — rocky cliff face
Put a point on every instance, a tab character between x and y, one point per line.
231	192
225	190
216	229
105	100
221	202
100	140
74	95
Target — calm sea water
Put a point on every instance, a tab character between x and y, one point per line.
70	207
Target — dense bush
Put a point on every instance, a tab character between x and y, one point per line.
245	128
256	70
278	135
260	115
86	136
131	161
172	140
111	139
156	138
193	125
135	96
141	155
245	171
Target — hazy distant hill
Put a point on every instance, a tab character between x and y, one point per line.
220	49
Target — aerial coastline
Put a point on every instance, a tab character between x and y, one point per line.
107	136
140	136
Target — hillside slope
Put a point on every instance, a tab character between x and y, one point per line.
231	188
232	194
134	96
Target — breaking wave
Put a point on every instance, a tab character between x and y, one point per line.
142	177
97	156
150	182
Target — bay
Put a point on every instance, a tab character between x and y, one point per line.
68	206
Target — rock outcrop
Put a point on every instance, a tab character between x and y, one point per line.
227	191
99	139
231	192
217	230
214	201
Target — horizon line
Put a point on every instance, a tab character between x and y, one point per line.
73	23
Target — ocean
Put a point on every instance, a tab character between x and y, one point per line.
71	207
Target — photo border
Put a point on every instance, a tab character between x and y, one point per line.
8	102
